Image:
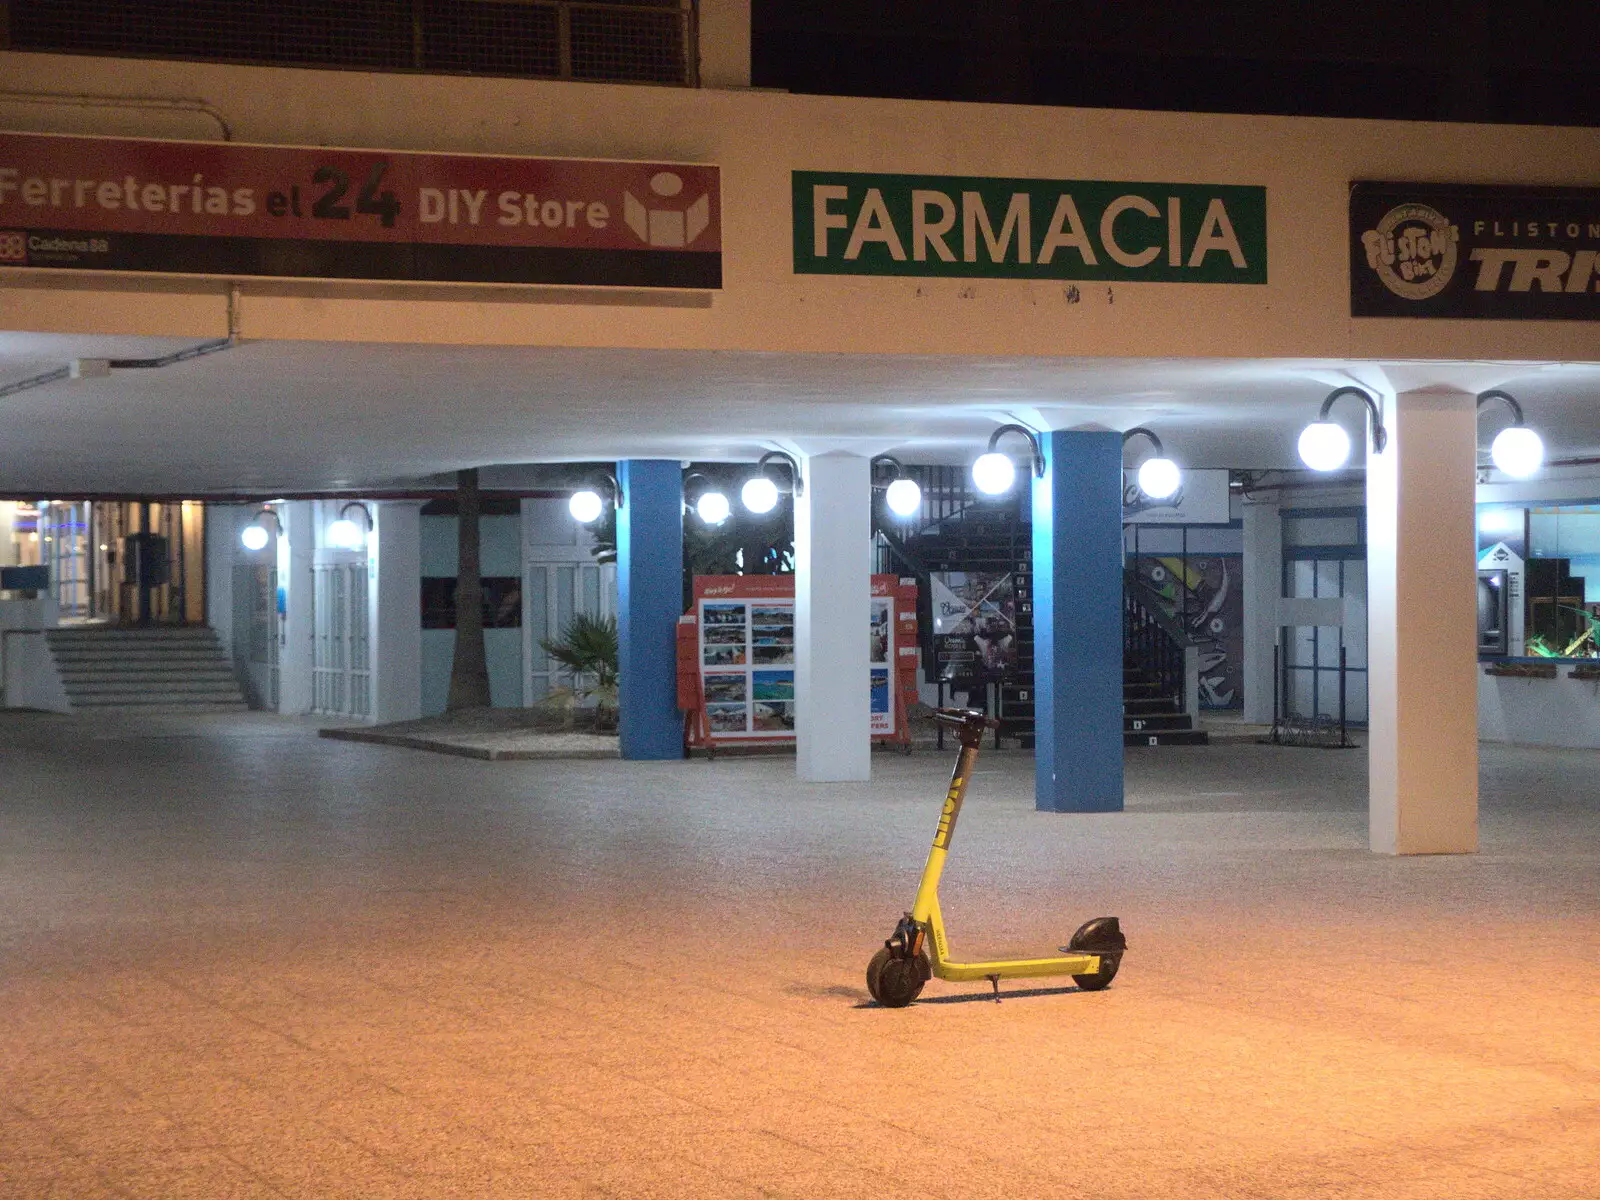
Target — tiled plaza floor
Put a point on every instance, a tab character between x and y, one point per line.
237	960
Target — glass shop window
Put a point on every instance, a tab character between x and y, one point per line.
1562	586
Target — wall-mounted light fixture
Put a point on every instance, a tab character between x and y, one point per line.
1158	476
760	492
255	535
587	503
709	501
901	493
993	473
1325	446
1516	449
345	534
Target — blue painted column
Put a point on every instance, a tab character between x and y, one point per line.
649	602
1077	623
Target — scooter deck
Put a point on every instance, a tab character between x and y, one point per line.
1019	968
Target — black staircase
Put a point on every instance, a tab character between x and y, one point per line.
958	531
1154	680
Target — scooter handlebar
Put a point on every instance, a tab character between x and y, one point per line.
963	717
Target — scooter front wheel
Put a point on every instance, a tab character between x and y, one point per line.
896	982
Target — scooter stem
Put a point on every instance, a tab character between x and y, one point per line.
970	727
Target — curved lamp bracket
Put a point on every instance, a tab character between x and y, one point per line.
796	487
1380	435
268	511
890	461
1033	444
359	507
1510	401
1141	431
610	480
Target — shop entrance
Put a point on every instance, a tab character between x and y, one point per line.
341	670
119	562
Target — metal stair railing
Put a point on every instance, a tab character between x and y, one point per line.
1154	641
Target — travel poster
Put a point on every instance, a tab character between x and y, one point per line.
747	654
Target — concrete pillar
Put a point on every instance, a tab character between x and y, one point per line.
1077	623
394	621
832	614
222	545
295	631
1263	587
724	43
649	602
1421	597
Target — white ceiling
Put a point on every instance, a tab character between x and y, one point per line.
304	416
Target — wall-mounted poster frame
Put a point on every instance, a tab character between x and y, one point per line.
736	662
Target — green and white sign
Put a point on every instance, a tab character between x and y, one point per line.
847	223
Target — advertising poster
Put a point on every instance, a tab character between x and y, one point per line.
230	209
1202	499
975	622
744	653
1463	250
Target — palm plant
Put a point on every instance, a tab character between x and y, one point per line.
587	649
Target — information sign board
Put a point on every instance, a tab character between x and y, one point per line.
222	208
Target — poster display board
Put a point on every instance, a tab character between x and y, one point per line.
1202	499
224	208
736	658
975	623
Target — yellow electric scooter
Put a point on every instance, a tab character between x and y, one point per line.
897	972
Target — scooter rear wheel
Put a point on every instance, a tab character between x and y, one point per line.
896	982
1102	978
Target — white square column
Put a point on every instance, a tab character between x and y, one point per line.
1263	587
296	648
394	622
1422	757
832	612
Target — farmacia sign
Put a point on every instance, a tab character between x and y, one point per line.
969	226
1500	253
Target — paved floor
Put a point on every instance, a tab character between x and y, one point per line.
236	960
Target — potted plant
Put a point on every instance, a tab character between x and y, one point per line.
587	650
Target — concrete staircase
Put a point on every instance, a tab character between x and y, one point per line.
156	669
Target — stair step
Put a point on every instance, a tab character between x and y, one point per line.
160	705
117	670
182	653
137	686
149	699
72	637
1170	737
1155	722
176	669
1163	704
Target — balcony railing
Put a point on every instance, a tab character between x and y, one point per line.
643	41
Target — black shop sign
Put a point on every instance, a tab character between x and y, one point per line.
1497	253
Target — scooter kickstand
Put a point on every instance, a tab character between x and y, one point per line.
994	981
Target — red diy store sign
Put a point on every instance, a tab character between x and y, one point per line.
217	208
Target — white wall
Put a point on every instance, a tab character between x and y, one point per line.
392	597
28	675
1539	712
758	139
724	43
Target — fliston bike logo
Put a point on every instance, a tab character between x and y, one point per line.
1413	250
13	246
664	220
